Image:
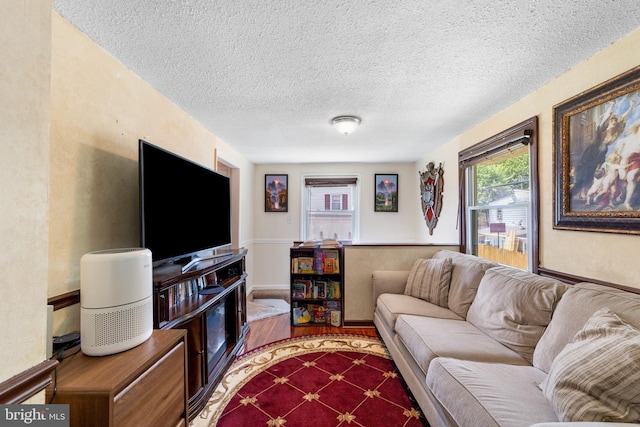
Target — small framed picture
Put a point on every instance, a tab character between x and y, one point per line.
276	193
386	192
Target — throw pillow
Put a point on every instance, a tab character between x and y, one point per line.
596	376
429	280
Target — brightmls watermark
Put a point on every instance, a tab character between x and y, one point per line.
34	415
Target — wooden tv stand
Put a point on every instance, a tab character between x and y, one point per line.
216	323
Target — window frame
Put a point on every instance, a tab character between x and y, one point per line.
329	179
526	133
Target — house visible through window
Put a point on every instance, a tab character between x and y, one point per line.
330	208
499	196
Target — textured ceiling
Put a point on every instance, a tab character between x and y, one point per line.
267	76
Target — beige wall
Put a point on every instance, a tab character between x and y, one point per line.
361	261
604	256
24	172
99	110
276	231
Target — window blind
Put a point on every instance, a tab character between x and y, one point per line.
330	182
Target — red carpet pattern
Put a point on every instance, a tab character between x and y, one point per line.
321	380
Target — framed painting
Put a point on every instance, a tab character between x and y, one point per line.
386	192
276	198
597	158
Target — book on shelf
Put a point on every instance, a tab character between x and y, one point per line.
311	308
335	318
320	289
305	265
330	243
329	265
333	305
308	286
333	289
318	262
310	244
301	316
320	314
331	261
299	291
185	290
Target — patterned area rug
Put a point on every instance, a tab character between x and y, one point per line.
319	380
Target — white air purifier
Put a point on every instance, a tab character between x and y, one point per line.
116	307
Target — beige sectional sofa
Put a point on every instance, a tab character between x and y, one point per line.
504	347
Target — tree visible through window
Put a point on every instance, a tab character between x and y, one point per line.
499	195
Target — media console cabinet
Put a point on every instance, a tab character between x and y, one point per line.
209	302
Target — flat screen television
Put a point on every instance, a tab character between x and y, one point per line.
185	208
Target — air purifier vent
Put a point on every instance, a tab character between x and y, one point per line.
113	327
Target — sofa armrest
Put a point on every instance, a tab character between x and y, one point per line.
388	282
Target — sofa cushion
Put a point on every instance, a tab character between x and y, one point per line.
574	309
429	280
514	307
489	394
596	376
390	306
427	338
466	273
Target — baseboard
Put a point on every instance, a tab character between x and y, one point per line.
359	324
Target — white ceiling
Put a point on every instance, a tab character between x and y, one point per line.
267	76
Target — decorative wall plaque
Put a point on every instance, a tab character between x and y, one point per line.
431	188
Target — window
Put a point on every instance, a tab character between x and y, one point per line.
499	196
330	208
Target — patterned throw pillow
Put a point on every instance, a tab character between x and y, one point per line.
429	280
596	377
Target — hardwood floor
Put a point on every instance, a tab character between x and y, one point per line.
278	328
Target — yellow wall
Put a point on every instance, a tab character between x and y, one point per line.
99	110
604	256
24	171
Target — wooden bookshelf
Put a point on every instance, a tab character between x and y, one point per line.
317	285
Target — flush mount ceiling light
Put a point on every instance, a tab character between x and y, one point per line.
345	124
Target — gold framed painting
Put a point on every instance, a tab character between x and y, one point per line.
597	158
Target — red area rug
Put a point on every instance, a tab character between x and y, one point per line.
321	380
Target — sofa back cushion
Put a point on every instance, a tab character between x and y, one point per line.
429	280
466	273
576	307
514	307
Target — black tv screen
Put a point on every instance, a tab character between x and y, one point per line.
185	208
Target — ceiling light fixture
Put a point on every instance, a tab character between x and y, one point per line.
345	124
